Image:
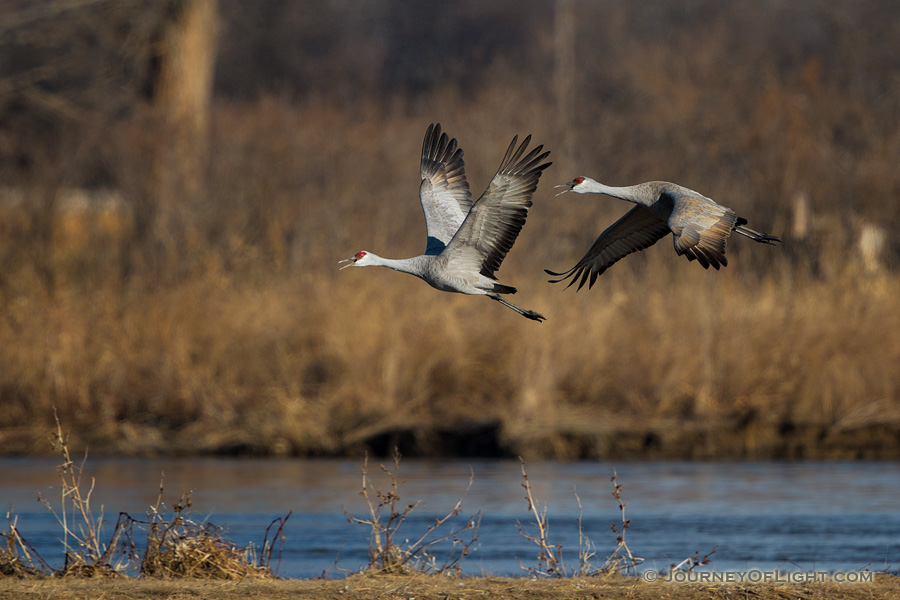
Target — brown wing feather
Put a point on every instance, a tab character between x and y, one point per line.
497	217
640	228
701	229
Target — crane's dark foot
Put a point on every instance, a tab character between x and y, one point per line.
530	314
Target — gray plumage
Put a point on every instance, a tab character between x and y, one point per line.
468	241
700	227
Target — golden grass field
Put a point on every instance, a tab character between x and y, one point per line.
234	331
262	346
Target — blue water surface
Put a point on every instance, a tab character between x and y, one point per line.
807	516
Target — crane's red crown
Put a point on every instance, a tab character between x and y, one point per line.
577	180
359	255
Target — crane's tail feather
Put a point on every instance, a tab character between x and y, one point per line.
528	314
504	289
762	238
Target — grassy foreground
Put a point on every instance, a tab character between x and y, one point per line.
424	587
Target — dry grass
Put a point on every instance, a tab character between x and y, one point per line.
179	547
438	588
173	545
254	343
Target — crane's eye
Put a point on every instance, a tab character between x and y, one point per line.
578	181
359	255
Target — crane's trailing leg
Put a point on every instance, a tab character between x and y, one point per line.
762	238
528	314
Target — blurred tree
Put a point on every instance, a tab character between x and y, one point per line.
564	75
181	91
109	94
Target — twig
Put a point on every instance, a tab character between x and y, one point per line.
386	555
621	559
548	554
585	547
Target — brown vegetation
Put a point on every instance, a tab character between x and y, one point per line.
252	342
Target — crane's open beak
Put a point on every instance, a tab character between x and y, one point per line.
350	260
568	187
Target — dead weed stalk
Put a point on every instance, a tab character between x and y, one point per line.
621	560
386	554
691	562
17	557
550	561
586	550
85	554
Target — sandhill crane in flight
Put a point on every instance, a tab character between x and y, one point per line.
467	241
700	227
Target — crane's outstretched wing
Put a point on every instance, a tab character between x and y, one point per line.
444	191
701	227
496	218
640	228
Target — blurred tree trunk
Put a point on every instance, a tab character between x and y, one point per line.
564	75
181	90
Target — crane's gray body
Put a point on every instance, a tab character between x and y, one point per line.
700	227
467	241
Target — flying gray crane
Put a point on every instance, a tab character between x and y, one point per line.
699	225
467	241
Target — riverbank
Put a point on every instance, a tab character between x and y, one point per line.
422	587
575	437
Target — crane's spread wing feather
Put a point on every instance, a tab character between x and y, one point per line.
701	228
640	228
498	215
444	190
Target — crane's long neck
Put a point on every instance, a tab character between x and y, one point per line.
632	193
413	266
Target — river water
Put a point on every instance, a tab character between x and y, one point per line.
803	516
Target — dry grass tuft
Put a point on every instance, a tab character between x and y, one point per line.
184	548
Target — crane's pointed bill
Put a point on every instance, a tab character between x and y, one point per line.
568	187
352	260
347	260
